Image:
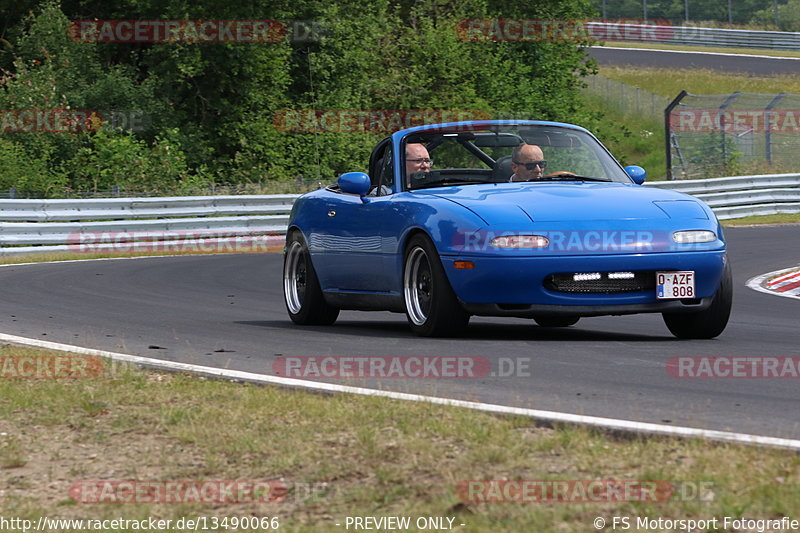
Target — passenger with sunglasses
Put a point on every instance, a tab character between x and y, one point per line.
527	163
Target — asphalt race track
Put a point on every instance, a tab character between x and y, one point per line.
227	311
754	65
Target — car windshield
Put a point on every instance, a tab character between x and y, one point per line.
502	153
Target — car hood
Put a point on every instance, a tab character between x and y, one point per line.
516	203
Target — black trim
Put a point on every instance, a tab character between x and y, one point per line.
394	302
529	311
366	301
376	155
642	281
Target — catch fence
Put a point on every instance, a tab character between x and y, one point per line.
714	135
626	99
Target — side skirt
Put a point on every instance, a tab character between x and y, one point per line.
366	301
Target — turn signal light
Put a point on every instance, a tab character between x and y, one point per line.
521	241
693	236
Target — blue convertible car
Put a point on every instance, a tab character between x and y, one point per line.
504	218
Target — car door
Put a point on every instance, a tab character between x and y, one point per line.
351	240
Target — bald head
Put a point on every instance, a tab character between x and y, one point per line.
417	160
527	153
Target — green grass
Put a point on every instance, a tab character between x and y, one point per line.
634	139
627	133
711	49
365	456
669	83
793	218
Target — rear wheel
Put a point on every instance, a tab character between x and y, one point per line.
301	290
556	321
710	322
432	308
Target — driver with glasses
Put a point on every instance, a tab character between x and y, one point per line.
417	160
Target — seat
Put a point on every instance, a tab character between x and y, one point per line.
502	169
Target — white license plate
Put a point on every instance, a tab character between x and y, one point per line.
674	285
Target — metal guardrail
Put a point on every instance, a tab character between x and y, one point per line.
143	224
128	208
142	230
224	222
743	196
694	36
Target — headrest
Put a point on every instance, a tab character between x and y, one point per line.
502	169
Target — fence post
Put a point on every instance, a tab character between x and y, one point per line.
668	129
728	101
767	126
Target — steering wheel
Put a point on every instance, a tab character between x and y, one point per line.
560	173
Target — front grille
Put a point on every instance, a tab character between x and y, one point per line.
566	282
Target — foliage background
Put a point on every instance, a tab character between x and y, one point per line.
210	107
705	12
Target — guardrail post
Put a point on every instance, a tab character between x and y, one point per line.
12	192
668	129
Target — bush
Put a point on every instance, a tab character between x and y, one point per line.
210	108
26	172
114	158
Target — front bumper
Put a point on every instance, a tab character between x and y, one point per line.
514	286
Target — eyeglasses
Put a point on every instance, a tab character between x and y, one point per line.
530	165
424	161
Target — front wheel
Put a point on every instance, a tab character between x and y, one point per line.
710	322
301	290
432	308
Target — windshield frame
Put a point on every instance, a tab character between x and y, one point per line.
435	133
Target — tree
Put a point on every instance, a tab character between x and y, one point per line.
216	108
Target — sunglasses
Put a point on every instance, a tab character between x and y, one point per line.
532	164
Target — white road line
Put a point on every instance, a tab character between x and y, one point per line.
696	52
757	283
550	416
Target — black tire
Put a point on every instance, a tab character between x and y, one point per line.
301	290
556	321
710	322
432	308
